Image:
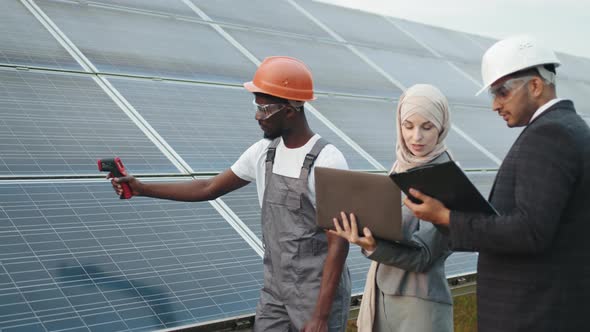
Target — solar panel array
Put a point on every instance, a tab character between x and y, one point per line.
158	83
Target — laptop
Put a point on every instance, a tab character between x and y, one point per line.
374	199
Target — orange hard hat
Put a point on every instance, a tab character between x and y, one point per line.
284	77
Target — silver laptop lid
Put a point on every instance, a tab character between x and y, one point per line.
374	199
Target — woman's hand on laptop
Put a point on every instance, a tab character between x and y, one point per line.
349	231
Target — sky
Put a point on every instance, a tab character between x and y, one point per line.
563	24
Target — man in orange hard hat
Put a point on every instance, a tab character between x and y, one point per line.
533	269
306	281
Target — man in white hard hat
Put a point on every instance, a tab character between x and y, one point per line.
534	261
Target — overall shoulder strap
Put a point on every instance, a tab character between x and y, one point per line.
270	158
272	149
311	157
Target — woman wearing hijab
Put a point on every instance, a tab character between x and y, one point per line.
406	287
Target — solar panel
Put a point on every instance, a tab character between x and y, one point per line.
55	124
369	122
461	263
577	91
25	42
209	126
486	127
483	181
368	29
335	68
170	7
245	204
466	154
474	71
74	256
483	42
273	15
574	67
353	158
448	43
411	70
139	44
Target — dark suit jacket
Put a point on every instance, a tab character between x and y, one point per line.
534	261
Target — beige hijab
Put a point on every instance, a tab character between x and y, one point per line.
430	103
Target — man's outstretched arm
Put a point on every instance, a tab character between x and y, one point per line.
190	191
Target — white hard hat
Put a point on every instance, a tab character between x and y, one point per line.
511	55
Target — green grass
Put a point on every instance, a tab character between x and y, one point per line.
465	313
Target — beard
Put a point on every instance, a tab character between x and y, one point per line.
271	136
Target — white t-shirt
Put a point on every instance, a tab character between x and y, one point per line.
251	164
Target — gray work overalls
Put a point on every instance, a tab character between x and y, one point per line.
295	250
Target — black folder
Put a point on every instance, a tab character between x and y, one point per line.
447	183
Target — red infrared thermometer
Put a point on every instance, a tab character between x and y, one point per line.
117	170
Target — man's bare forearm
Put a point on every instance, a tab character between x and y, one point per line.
333	267
188	191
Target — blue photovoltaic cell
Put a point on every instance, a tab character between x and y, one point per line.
461	263
474	71
577	91
261	14
75	256
467	154
353	158
368	29
209	126
62	123
410	70
358	265
166	7
125	42
245	204
573	67
25	42
371	123
486	127
448	43
483	42
483	181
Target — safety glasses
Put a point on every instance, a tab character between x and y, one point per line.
505	92
264	112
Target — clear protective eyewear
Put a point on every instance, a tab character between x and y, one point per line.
506	91
264	112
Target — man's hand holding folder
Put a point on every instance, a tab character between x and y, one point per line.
430	209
